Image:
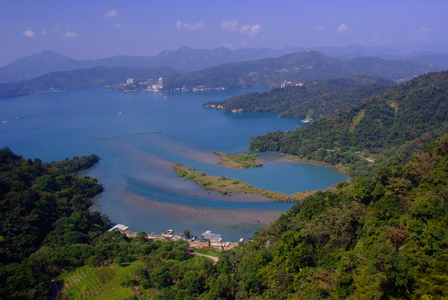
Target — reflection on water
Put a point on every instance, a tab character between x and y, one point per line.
139	137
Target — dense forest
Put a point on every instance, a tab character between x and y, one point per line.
386	128
380	237
82	78
42	204
313	99
302	66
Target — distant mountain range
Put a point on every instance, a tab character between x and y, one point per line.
189	59
302	66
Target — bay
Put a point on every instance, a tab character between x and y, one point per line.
140	135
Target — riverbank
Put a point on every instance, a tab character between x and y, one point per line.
340	168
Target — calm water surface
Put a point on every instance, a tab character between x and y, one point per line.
151	131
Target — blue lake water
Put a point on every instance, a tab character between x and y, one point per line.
140	135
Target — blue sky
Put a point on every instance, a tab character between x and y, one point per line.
97	29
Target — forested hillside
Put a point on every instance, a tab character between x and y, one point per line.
386	128
40	204
303	66
381	237
313	99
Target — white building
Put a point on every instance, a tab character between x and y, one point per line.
130	81
160	82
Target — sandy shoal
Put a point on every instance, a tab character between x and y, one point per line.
219	217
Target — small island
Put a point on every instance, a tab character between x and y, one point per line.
229	186
238	160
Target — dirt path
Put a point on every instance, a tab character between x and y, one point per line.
215	259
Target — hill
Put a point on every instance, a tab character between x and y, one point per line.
312	99
37	65
386	128
303	66
81	78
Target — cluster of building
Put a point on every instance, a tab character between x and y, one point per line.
149	85
156	86
289	83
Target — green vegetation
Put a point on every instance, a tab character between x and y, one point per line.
379	237
99	283
44	219
229	186
238	160
313	99
385	129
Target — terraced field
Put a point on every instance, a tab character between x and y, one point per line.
98	284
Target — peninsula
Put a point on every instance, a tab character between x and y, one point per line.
229	186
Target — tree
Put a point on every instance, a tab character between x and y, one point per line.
142	236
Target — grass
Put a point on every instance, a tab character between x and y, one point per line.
238	160
229	186
208	252
356	120
98	284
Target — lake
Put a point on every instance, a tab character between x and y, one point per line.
140	135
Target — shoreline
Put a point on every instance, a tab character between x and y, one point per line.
294	158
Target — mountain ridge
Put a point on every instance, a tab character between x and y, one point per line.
190	59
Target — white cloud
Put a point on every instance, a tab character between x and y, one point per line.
28	33
424	29
55	29
69	34
250	30
342	28
111	13
180	24
229	25
44	32
316	28
118	25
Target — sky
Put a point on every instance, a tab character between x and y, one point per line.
104	28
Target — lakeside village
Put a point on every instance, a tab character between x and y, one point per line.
207	240
155	86
150	85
